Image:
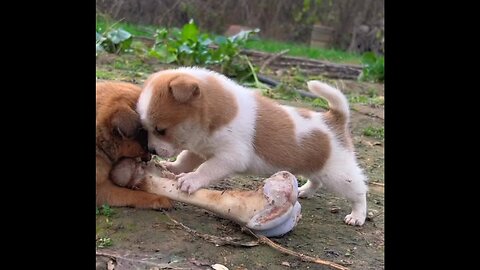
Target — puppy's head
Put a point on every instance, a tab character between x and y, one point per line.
171	109
118	129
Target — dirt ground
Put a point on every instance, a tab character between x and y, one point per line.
147	239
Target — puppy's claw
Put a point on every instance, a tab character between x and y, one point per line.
189	182
351	219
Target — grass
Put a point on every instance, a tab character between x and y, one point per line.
103	242
134	29
105	210
303	50
370	99
376	132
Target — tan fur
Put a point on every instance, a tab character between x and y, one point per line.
115	112
175	99
307	114
337	122
281	148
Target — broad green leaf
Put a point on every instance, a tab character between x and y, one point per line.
190	31
100	37
205	41
244	35
220	40
118	35
185	49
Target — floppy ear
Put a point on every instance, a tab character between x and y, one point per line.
126	123
184	89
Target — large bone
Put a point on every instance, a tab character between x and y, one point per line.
272	210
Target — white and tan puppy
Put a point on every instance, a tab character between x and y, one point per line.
227	129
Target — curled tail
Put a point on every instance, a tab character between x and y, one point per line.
339	114
337	101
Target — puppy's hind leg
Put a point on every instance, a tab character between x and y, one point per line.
351	185
309	188
109	193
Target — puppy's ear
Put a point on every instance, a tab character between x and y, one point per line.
126	123
184	89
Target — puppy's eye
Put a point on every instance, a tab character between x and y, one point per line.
117	133
160	131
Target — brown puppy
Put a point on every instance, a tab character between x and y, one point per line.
119	135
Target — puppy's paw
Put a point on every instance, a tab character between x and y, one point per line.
355	219
151	201
171	166
191	182
162	203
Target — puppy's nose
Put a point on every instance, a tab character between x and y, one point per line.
152	151
146	157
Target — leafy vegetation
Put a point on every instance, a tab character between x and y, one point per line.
112	40
373	67
103	242
104	210
375	132
188	46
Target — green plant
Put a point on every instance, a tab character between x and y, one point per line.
372	100
113	40
105	210
373	67
103	242
188	46
378	133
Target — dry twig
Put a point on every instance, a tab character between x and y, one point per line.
264	240
220	241
377	184
117	258
272	58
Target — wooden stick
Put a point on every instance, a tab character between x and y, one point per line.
272	58
117	258
377	184
261	239
220	241
303	257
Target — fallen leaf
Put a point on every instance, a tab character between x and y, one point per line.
334	210
218	266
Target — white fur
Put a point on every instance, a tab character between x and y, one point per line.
143	104
229	149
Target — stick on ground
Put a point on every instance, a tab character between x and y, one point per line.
220	241
305	258
261	239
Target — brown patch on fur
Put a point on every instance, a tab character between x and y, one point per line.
338	123
307	114
115	110
275	141
212	106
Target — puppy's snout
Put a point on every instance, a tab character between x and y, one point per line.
142	138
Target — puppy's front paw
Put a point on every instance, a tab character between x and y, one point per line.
191	182
355	219
171	166
162	203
